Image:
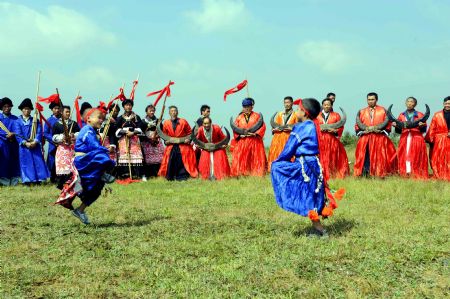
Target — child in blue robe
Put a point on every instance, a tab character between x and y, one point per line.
92	162
32	164
299	186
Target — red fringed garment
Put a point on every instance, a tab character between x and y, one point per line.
382	153
438	136
221	167
187	153
412	150
332	152
249	156
280	138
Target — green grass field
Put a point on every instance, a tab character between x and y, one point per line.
388	238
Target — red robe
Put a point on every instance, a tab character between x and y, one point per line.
438	136
332	152
382	153
221	166
412	153
280	138
187	153
249	156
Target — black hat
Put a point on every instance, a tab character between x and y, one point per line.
5	101
312	107
127	101
53	105
84	107
26	104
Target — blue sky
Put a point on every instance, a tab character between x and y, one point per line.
297	48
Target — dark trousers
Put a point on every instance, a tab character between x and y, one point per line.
176	170
89	196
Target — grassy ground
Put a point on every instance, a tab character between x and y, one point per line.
389	238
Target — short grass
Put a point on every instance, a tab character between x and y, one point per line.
198	239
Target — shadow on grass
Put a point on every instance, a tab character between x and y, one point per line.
133	223
336	229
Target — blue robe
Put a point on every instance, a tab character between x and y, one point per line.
32	165
9	150
298	185
48	134
91	158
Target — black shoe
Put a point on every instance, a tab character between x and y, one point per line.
107	178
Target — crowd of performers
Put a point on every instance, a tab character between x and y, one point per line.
305	151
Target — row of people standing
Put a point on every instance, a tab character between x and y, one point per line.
136	147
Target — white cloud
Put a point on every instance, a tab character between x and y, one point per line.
219	15
25	31
329	56
181	67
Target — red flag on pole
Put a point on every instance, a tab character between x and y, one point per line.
77	111
160	93
102	107
135	83
120	96
234	89
39	108
54	98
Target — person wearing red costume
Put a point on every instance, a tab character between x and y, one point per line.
438	136
220	169
375	153
332	152
178	162
412	150
284	120
249	156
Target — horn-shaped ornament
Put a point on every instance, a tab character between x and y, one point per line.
278	127
377	128
253	129
399	125
423	119
172	140
336	125
211	147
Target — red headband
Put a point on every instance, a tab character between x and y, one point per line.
299	102
89	113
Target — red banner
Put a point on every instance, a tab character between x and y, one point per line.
54	98
135	83
77	111
120	96
234	89
160	93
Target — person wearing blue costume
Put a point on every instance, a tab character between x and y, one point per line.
91	162
32	165
299	186
48	135
9	148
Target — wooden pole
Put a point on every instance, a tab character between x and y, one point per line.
246	88
163	108
108	121
34	125
71	111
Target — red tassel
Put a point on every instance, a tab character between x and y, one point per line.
327	212
339	194
313	215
